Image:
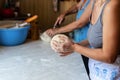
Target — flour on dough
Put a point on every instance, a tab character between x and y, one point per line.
58	41
45	37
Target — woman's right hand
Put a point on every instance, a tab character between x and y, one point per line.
51	32
59	19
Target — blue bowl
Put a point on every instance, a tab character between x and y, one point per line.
13	36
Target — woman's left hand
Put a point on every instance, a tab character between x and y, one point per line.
68	48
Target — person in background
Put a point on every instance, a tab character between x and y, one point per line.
81	33
103	36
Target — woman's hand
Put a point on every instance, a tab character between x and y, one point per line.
68	48
65	49
59	19
51	32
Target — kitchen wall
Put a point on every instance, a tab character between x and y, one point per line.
1	3
44	8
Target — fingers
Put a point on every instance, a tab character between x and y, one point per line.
56	46
62	44
65	53
50	32
59	20
56	23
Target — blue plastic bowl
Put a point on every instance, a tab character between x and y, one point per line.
13	36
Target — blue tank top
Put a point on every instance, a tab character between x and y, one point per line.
80	12
95	31
81	33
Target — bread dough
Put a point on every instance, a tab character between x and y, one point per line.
58	41
45	37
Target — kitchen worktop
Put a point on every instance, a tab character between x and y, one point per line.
37	61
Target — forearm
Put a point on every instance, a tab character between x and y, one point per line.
71	10
70	27
84	19
84	43
96	54
74	8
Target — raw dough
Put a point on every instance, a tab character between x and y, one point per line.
45	37
58	41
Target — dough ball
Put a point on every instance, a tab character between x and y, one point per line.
45	37
58	41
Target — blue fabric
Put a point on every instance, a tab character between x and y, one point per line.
81	33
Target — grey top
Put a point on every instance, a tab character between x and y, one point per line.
95	31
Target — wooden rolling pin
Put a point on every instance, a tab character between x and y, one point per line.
31	18
28	20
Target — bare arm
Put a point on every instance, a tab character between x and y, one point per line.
84	19
84	43
71	10
111	36
74	8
